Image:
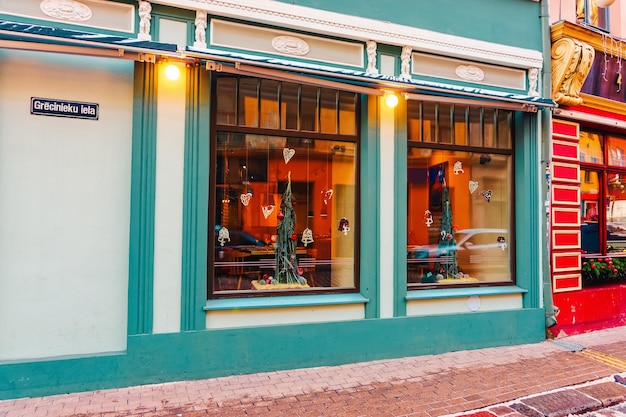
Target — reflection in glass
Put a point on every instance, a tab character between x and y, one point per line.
252	168
227	104
589	193
289	105
616	212
269	104
459	217
248	105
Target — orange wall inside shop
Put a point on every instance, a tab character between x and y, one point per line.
321	175
418	196
590	309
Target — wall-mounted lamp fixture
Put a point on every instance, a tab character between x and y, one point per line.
391	100
172	72
604	3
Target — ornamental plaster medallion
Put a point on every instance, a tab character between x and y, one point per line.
290	45
66	10
470	73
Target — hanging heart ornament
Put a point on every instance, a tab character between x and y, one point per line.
245	198
288	154
487	195
307	236
473	185
267	210
327	195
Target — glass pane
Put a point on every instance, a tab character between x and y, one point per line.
248	102
489	134
289	106
444	124
589	194
428	121
460	125
505	123
308	109
252	213
616	213
476	126
227	100
456	234
347	113
617	151
269	104
591	148
328	112
414	120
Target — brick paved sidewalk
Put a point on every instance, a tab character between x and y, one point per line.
431	385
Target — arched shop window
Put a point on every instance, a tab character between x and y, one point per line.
460	195
283	195
603	231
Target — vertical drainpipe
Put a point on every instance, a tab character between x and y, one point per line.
546	157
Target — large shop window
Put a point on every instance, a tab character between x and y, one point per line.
459	195
603	179
284	191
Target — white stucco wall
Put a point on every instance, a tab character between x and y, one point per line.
64	207
168	223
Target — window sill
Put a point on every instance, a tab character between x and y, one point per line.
287	301
462	292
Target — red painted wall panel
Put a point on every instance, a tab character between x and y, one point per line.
564	129
565	195
590	309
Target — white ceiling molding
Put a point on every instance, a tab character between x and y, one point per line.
363	29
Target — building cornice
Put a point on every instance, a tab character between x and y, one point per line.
362	29
592	37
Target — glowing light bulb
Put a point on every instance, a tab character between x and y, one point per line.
172	72
391	100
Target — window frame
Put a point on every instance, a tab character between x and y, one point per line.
509	151
217	128
604	170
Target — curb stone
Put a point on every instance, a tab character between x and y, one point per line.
581	400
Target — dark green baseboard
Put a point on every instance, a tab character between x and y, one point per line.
214	353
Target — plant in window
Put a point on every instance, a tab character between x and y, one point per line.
448	268
288	274
603	270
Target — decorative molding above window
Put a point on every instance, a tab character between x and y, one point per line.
470	73
271	41
354	27
66	10
290	45
107	15
455	69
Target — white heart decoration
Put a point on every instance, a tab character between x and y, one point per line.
288	154
245	198
473	185
328	194
267	210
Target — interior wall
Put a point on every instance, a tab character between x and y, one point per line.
64	207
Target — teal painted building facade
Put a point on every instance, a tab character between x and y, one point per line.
109	272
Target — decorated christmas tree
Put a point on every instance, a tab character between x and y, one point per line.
448	266
287	271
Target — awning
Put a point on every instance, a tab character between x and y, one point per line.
248	64
15	35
